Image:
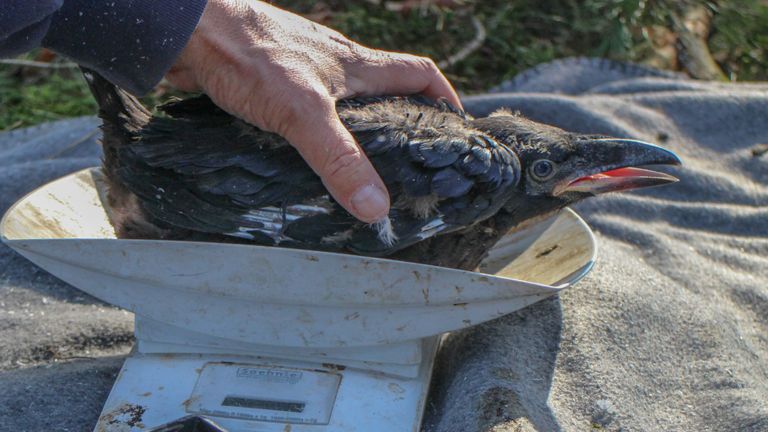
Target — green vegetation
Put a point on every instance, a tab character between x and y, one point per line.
26	99
519	34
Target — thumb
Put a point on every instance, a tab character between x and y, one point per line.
332	152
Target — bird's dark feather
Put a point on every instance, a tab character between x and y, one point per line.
197	168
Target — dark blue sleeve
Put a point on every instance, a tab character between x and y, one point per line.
132	43
23	24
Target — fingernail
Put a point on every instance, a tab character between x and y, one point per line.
370	203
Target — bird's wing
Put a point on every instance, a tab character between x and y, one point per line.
203	170
431	150
443	174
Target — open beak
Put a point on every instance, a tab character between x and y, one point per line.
613	166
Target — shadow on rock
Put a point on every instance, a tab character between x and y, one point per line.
498	374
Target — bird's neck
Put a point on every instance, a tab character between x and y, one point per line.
522	207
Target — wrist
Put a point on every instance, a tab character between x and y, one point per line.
132	44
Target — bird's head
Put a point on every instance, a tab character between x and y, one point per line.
560	168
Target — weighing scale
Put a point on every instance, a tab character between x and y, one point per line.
271	339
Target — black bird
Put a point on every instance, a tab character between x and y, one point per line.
195	172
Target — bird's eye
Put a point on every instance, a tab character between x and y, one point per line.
543	169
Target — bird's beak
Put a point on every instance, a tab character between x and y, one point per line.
612	165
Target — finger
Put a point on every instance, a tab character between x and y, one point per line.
395	73
182	77
332	152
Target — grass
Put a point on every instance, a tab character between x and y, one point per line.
520	34
47	96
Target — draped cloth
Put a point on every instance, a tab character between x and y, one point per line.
668	332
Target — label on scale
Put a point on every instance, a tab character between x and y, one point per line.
264	393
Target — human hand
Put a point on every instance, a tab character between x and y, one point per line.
284	74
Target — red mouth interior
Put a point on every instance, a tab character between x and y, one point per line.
616	173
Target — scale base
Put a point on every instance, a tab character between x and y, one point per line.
252	393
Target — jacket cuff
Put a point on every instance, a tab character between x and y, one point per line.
132	43
24	40
23	15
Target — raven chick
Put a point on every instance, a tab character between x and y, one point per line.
196	172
